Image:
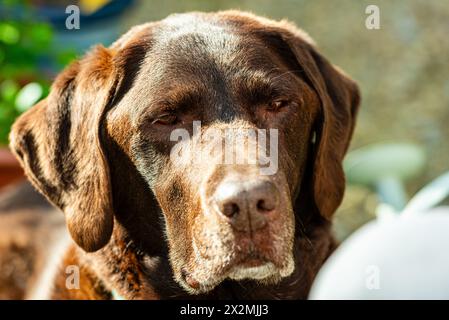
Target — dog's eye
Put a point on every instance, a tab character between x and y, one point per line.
166	119
276	105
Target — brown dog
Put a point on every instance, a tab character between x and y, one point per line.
148	225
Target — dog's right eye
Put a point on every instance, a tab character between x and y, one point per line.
166	119
277	105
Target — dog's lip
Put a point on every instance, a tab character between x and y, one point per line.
250	260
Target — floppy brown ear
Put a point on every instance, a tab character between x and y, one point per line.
340	101
340	111
58	143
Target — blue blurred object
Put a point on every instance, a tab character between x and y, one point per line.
113	9
101	26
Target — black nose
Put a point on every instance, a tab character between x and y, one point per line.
246	204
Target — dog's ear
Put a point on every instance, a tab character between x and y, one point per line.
59	145
339	97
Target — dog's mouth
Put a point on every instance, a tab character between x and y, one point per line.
253	264
252	261
250	267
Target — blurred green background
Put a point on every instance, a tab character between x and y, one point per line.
402	68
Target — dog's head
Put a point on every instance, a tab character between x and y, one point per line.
214	133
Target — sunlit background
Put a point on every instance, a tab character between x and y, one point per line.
402	68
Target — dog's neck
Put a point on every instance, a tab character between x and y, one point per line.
117	272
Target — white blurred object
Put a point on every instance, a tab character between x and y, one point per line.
429	196
403	257
403	254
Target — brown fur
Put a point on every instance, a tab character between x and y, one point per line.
95	150
28	226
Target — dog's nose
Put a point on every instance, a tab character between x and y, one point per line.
246	204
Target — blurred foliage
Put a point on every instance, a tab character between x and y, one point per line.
25	44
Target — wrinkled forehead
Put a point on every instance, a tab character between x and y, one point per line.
191	54
187	47
195	35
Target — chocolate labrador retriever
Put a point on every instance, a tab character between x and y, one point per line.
148	223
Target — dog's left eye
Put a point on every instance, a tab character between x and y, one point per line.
166	119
